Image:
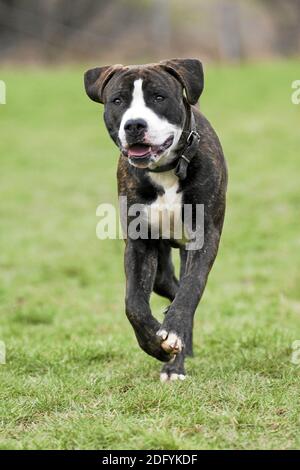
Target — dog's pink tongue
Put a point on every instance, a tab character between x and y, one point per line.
138	150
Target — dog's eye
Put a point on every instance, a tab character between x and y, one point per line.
159	98
117	101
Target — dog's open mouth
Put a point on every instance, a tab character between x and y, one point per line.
139	150
144	150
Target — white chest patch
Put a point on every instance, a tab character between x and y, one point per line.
164	214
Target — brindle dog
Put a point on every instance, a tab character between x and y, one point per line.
170	156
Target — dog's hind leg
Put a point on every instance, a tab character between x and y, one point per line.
175	370
183	258
141	259
189	324
166	283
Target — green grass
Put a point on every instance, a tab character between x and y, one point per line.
75	376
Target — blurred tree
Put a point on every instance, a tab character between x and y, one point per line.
229	29
161	26
58	30
286	16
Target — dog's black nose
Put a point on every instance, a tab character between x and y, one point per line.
135	127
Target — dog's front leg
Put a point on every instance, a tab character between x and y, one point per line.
176	329
140	266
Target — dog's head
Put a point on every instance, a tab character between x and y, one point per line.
145	105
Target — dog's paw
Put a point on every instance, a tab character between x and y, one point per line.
170	341
172	377
173	371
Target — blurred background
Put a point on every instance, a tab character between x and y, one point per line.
135	30
75	376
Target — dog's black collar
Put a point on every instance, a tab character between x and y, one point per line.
181	163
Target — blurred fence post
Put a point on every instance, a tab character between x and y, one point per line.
161	25
229	31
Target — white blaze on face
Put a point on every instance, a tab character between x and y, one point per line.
158	128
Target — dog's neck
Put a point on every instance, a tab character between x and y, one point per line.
185	149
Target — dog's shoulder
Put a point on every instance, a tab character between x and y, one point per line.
210	157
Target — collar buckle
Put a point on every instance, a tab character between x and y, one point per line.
191	136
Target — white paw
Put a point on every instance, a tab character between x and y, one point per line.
177	377
171	342
164	377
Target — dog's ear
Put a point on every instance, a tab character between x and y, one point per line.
189	72
96	79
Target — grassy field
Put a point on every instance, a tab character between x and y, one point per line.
75	376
